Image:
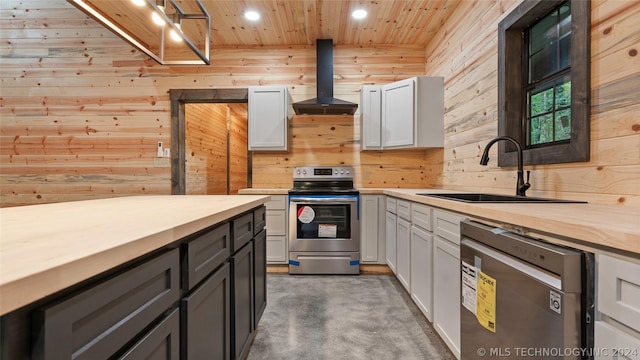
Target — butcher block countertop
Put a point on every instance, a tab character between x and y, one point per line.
607	227
47	248
602	226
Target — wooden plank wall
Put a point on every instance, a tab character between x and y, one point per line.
206	149
335	140
465	53
238	147
82	111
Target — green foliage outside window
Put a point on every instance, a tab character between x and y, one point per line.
550	112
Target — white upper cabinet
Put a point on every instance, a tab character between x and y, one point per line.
413	113
269	112
370	117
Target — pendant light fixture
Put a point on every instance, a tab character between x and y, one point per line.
159	28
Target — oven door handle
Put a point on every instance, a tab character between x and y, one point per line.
335	200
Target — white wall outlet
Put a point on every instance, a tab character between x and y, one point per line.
160	153
167	152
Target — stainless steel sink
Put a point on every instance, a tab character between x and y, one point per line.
495	198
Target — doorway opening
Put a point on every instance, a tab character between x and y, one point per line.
209	141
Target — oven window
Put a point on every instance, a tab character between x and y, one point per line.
323	221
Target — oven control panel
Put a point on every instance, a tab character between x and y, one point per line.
323	172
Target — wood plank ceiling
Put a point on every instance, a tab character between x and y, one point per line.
301	22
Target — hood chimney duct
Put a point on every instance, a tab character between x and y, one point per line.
324	103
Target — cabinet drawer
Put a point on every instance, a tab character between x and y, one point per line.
276	248
614	344
619	290
259	219
205	253
391	204
161	343
421	216
99	321
276	222
404	209
242	231
447	225
277	202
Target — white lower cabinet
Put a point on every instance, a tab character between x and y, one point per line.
617	330
372	241
403	253
446	278
277	244
422	270
446	293
390	231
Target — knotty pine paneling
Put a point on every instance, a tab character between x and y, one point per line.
81	111
79	103
238	147
206	149
465	53
335	140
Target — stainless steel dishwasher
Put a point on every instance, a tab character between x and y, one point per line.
522	297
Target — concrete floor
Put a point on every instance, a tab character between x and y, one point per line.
343	317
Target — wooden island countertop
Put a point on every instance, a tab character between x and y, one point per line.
47	248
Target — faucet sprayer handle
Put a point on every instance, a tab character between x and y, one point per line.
522	189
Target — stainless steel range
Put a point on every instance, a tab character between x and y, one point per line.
324	224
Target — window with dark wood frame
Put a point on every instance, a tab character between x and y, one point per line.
517	87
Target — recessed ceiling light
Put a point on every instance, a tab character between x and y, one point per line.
139	2
359	14
251	15
157	19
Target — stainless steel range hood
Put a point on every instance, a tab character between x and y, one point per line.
324	103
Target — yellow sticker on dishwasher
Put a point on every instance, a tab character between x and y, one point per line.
486	302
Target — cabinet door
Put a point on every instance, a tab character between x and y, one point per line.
206	325
403	253
446	293
160	343
267	117
391	240
369	228
398	114
422	270
242	303
260	278
370	117
99	321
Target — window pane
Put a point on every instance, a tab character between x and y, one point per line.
565	19
563	93
565	53
542	129
543	32
563	125
543	63
541	102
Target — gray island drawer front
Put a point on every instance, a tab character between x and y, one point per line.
205	253
161	343
259	219
98	322
242	231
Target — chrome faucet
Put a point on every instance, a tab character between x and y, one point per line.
521	186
